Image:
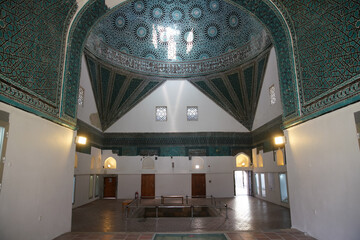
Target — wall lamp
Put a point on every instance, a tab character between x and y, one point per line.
279	140
80	140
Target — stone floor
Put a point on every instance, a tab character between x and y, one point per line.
248	218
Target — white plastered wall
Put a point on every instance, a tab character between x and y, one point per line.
177	95
89	107
266	111
35	201
323	170
272	182
82	173
173	181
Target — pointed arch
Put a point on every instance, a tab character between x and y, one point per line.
269	12
242	160
110	163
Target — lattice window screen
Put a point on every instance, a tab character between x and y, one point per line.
161	113
81	96
192	113
272	95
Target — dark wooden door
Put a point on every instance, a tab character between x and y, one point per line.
148	186
198	185
110	187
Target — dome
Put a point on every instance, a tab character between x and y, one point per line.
177	37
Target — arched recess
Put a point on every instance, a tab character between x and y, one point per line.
280	158
260	160
242	160
110	163
148	163
76	161
271	15
197	163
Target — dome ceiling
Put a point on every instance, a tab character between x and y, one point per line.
221	49
179	33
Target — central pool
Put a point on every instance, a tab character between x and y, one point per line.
187	236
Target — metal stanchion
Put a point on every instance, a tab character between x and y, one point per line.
157	211
226	211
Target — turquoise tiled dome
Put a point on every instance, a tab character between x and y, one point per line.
178	31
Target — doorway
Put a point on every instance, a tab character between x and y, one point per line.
148	186
241	183
198	185
110	184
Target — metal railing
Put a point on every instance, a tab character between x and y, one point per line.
216	204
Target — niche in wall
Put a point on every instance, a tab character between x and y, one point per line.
197	163
148	163
242	160
76	161
280	158
357	122
110	163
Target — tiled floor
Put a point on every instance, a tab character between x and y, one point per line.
248	218
287	234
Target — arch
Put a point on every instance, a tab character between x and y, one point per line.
242	160
148	163
76	161
92	163
98	162
260	160
197	163
272	16
280	158
110	163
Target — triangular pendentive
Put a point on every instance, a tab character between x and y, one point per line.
117	91
237	91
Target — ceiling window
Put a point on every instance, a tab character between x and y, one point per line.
272	95
161	113
192	113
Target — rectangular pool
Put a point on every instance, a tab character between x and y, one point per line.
190	236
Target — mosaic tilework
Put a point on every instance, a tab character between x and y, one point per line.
192	140
117	91
237	91
193	29
204	65
325	35
275	24
82	24
181	144
328	50
32	37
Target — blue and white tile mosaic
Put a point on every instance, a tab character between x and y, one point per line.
177	30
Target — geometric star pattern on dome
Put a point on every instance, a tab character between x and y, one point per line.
177	30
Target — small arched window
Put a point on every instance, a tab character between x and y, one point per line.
148	163
76	161
242	160
280	158
197	163
92	163
110	163
260	160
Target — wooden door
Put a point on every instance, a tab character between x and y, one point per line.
110	187
148	186
198	185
